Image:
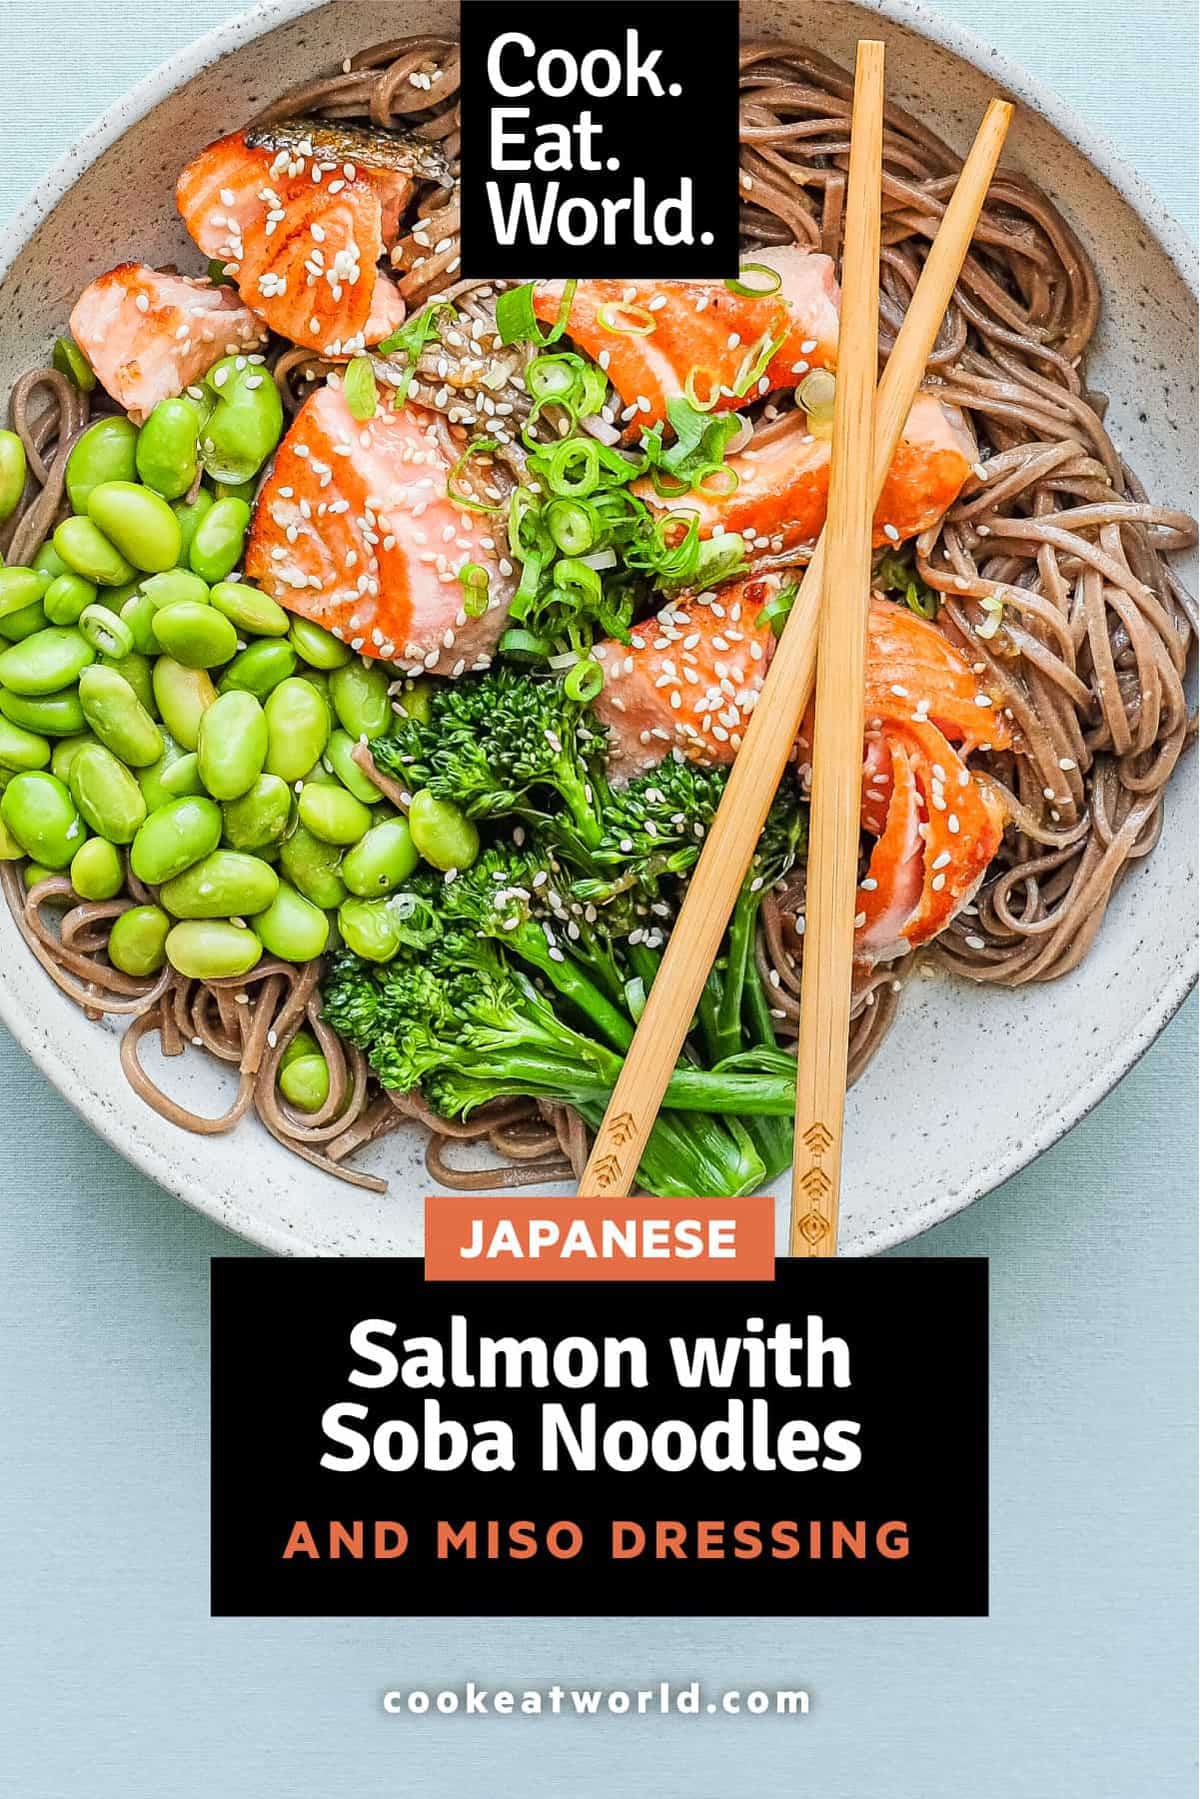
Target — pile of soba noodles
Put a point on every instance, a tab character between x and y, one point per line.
1089	653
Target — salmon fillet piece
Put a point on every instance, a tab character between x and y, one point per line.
782	490
353	529
689	680
300	237
652	336
148	335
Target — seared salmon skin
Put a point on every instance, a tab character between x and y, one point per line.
657	339
354	530
689	679
148	335
300	217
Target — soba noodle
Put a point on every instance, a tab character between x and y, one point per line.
1087	655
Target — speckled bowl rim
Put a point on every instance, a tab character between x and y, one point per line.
256	22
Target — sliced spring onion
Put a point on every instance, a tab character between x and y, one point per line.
411	339
635	998
756	291
552	377
516	642
572	525
626	320
817	391
517	322
579	582
705	477
216	272
360	388
776	611
714	389
473	579
572	469
584	682
755	363
481	446
895	574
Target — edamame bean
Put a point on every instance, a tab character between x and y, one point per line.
232	745
118	718
413	699
107	451
40	813
319	681
85	550
361	700
297	729
302	1044
259	668
304	1083
10	849
260	818
22	587
70	361
292	927
150	779
21	749
182	776
225	884
332	814
245	422
116	597
370	928
46	662
313	867
139	522
138	670
34	873
106	631
137	940
173	586
235	490
216	547
175	837
209	951
339	756
106	793
52	715
64	753
443	835
48	562
316	646
184	696
255	614
189	513
138	614
167	448
197	636
67	599
97	872
12	473
381	861
20	625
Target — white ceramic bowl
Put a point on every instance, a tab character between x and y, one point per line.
972	1084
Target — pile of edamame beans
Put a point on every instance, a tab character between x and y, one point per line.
160	717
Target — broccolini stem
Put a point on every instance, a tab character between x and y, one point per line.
566	976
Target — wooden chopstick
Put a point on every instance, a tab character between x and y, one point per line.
836	806
696	939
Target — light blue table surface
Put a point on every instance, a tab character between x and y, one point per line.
114	1684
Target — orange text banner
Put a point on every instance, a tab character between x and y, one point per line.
556	1239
